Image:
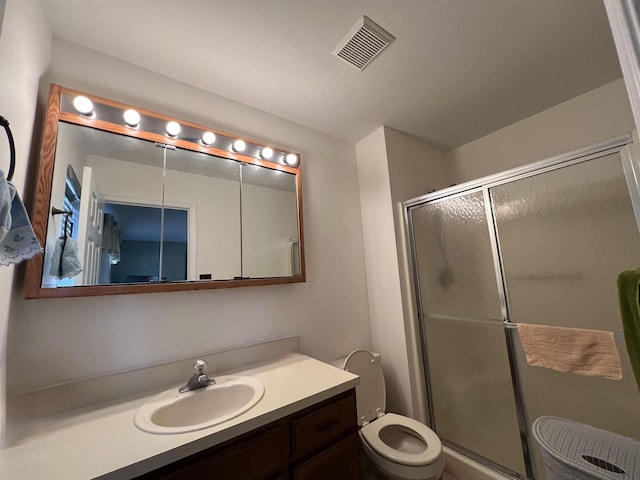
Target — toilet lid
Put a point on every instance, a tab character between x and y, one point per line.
370	393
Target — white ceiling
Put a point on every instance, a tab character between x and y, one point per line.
458	70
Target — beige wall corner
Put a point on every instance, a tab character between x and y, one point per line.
385	307
415	169
393	167
596	115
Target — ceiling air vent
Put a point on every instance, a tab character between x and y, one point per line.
363	43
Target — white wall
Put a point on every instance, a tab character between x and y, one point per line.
393	167
78	337
596	115
24	54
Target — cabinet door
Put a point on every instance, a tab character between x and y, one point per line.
253	457
338	462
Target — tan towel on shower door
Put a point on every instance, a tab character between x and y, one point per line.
571	350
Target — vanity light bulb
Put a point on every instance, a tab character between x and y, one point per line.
266	153
239	146
291	159
131	118
208	138
83	105
173	128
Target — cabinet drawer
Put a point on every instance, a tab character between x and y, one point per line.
319	427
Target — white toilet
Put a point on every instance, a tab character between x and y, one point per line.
400	447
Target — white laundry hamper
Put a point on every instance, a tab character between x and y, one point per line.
575	451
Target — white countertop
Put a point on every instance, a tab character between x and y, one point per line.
102	440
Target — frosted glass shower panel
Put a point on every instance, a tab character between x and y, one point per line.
453	257
565	235
471	389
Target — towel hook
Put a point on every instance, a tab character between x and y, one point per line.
57	211
66	213
12	147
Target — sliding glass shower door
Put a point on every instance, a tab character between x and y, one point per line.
472	399
539	245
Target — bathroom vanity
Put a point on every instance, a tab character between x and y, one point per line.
318	442
304	427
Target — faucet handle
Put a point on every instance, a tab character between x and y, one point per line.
200	367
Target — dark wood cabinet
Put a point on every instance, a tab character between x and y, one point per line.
338	462
317	443
317	428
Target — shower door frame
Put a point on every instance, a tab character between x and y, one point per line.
631	167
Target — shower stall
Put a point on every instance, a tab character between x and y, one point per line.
540	244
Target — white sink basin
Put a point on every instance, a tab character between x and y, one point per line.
174	412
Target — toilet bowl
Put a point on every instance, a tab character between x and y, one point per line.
400	447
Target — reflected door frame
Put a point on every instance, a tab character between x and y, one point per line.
192	258
90	229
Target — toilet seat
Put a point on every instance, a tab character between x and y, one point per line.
371	434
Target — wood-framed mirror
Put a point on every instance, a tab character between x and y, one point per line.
133	201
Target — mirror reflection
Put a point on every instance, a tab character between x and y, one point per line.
141	212
131	244
269	222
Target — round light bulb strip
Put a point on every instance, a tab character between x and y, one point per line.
208	138
172	130
266	153
239	146
83	105
131	118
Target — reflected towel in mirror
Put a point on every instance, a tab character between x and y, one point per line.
17	240
111	238
64	260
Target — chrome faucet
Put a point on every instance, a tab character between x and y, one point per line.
199	379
